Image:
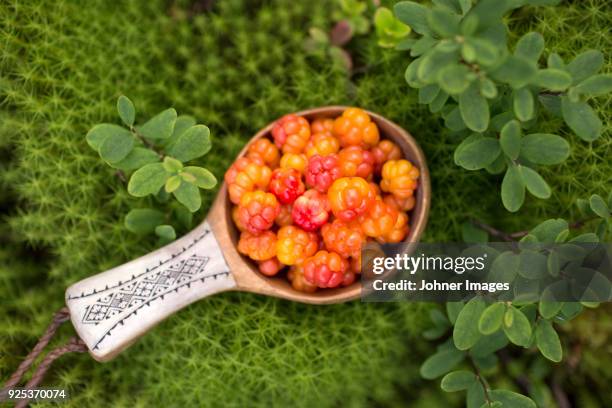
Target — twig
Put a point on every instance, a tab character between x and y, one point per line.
121	175
144	141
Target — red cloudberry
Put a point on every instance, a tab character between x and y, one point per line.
379	220
298	282
294	245
310	210
399	177
257	211
297	161
246	174
270	267
322	144
355	161
286	185
266	151
326	269
349	197
284	216
400	204
384	151
291	133
342	238
258	247
322	171
355	128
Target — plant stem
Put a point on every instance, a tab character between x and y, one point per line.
146	142
482	381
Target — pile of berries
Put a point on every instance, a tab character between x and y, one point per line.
308	199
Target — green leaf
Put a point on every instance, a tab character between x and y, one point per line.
548	341
437	104
160	126
519	330
451	5
172	165
510	139
548	230
599	206
183	122
553	79
475	396
549	309
147	180
472	234
99	133
585	65
582	119
465	5
453	120
143	220
465	332
172	184
433	62
457	381
523	104
511	399
530	46
515	71
535	184
138	157
413	15
589	238
440	363
543	148
422	45
452	310
116	146
189	195
126	110
485	52
513	189
596	85
443	22
474	109
492	318
454	78
166	233
478	153
555	61
488	88
191	144
203	178
428	93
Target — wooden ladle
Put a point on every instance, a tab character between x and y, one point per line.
113	309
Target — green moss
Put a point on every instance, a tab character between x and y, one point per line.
236	68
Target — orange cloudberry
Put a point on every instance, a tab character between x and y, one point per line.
355	128
399	177
294	245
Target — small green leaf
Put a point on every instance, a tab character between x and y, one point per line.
191	144
548	230
535	184
454	78
530	46
126	110
488	88
585	65
172	184
477	154
516	71
474	109
548	341
485	52
513	189
553	264
549	309
147	180
596	85
99	133
599	206
160	126
519	330
138	157
414	15
188	177
510	139
166	233
202	177
555	61
428	93
472	234
440	363
465	332
543	148
143	220
453	309
523	104
183	122
116	146
457	381
172	165
443	22
553	79
189	195
492	318
511	399
582	119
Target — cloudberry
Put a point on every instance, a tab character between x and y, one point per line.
326	269
384	151
349	197
298	282
258	247
400	204
270	267
237	220
399	177
266	151
257	211
310	210
399	230
355	161
355	128
342	238
379	220
286	185
294	161
291	133
322	171
322	144
294	245
322	125
284	216
246	174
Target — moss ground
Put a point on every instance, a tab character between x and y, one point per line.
236	68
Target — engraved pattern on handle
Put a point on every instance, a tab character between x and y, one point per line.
112	309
